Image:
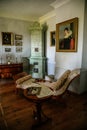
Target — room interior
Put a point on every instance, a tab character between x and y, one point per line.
26	32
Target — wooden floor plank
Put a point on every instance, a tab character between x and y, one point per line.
18	111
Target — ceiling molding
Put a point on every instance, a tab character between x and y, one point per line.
59	3
56	4
47	16
29	19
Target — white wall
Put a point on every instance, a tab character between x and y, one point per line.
51	49
16	27
70	10
66	60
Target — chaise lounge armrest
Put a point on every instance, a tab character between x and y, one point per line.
22	80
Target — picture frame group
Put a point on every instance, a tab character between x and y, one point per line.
67	35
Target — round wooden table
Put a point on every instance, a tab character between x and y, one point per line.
38	100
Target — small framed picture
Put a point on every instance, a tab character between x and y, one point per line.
18	43
36	49
18	37
18	49
52	38
7	38
7	49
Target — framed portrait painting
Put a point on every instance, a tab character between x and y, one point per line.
52	38
67	36
7	38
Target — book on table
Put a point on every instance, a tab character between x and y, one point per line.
33	90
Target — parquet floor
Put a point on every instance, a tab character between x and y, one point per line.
16	112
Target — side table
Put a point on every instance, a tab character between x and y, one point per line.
38	100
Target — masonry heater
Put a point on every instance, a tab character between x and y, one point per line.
38	59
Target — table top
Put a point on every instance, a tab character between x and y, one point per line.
38	92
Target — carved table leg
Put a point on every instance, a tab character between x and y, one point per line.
39	116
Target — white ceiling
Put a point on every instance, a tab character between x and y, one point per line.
25	9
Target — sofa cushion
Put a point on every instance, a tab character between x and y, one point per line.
71	76
61	81
62	89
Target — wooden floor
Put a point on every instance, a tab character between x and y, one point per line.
16	112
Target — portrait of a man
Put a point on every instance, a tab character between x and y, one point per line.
68	40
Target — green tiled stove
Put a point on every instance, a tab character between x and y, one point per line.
38	59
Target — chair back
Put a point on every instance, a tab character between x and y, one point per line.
73	74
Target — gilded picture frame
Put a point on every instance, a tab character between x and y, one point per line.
67	36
